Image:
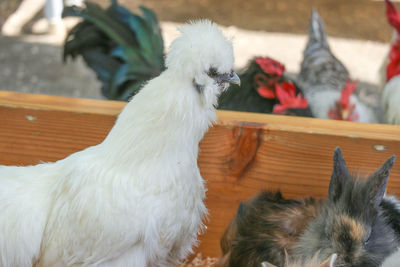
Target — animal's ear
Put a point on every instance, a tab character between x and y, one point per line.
376	184
339	175
330	262
240	214
240	210
223	261
267	264
231	230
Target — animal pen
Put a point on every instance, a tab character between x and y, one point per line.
242	154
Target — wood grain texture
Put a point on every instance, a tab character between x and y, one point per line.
60	103
242	154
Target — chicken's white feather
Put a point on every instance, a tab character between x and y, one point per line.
324	100
391	100
136	199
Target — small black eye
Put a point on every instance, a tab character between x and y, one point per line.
212	72
366	240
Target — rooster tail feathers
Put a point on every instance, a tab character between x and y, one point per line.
146	31
317	28
131	46
154	27
316	34
105	22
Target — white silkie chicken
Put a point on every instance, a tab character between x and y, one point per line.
391	91
136	199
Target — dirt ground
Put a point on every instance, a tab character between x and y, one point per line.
6	8
37	67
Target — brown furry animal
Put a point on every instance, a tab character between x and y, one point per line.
313	262
264	228
355	224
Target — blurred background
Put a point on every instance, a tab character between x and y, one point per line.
358	32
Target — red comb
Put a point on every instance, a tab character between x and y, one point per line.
270	66
286	93
347	91
265	86
392	15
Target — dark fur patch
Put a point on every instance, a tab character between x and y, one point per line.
265	227
392	215
354	224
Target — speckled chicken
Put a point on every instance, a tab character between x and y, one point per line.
391	91
325	81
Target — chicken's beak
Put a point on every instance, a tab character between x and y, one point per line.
345	114
234	79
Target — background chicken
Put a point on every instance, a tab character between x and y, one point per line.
325	80
136	199
265	88
391	91
124	49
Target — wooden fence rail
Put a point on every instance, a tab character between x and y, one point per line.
242	154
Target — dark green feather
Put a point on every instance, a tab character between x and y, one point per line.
124	49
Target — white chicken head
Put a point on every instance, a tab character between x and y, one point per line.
205	56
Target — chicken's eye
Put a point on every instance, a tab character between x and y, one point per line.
212	72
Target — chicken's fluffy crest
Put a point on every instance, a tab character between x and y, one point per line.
201	42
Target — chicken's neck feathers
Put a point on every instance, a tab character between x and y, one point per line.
165	119
391	94
321	101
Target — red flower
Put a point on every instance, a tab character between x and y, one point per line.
286	93
270	66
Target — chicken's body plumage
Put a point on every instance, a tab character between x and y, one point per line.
139	183
322	75
391	97
325	99
391	90
320	69
136	199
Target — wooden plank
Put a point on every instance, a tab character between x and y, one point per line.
60	103
241	154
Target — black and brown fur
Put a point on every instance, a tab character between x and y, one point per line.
391	211
264	228
313	262
354	223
